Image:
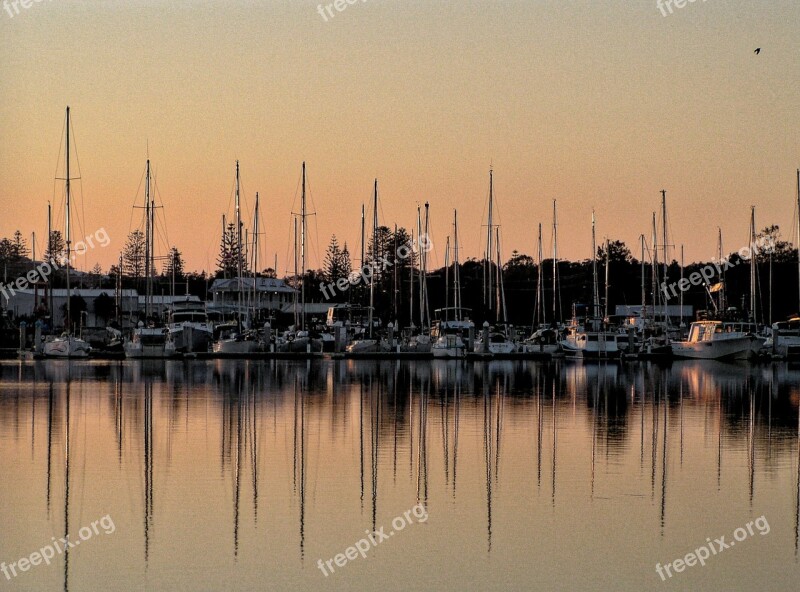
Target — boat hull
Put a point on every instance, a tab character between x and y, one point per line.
739	348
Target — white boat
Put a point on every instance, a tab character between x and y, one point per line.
784	339
66	346
189	327
590	341
150	342
498	344
449	336
236	344
716	340
588	336
544	340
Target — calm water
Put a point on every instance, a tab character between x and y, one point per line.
236	475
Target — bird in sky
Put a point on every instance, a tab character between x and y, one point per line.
757	50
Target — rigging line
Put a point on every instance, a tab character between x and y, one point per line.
134	206
162	207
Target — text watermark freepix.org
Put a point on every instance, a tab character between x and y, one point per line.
16	4
716	268
361	546
715	547
666	5
339	5
382	263
48	552
46	267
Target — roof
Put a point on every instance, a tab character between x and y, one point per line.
82	292
170	299
262	285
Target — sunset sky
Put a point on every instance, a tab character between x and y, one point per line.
596	104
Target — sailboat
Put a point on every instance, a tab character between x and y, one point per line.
67	345
149	340
493	341
544	339
233	339
587	336
453	329
298	339
370	343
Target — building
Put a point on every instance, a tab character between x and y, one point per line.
676	313
24	302
270	293
160	305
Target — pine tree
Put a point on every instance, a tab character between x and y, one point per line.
230	254
133	255
56	249
333	262
19	246
174	264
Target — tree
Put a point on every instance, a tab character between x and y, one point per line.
174	264
618	250
56	249
105	307
230	254
19	246
333	262
133	255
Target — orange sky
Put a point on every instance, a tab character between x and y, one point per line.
594	104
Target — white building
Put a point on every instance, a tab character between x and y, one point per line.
159	305
24	302
270	293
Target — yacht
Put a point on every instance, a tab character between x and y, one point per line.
450	336
590	340
498	343
784	339
150	342
189	327
229	339
715	340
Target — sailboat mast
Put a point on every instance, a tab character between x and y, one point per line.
147	238
303	251
501	295
489	233
595	294
644	294
427	318
52	258
664	241
608	266
539	310
421	265
456	271
374	256
556	298
656	293
296	276
798	240
752	263
238	252
255	257
681	301
363	229
68	238
722	279
447	273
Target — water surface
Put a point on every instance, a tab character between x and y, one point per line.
242	475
